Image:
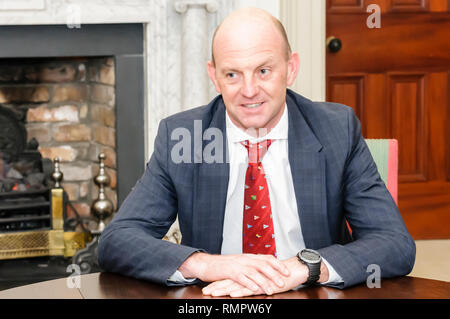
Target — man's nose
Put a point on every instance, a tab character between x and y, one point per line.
250	87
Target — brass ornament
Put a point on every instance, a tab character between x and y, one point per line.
102	207
57	175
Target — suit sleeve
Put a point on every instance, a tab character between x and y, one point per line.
380	235
131	244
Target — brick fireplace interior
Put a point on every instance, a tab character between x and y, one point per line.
68	106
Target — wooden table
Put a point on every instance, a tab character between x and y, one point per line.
112	286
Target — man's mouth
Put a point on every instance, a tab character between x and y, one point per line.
253	105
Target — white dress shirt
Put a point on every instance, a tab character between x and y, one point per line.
288	235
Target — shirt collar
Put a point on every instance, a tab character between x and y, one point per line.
279	132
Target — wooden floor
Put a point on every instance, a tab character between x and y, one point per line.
432	259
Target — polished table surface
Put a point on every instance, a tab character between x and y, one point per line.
108	285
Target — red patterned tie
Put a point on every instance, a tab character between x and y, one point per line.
258	233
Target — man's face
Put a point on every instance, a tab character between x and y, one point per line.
252	72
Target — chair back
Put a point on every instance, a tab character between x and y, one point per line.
385	155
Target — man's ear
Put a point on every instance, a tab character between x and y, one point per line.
293	67
212	75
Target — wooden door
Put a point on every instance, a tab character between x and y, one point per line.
397	79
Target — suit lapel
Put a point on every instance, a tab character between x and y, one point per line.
211	186
308	174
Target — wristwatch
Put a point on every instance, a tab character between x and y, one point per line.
312	260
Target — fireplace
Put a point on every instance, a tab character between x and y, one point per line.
79	92
73	94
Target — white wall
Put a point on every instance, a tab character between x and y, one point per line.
272	6
304	21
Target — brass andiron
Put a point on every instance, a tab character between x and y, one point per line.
57	175
102	207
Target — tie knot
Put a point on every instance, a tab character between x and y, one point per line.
256	151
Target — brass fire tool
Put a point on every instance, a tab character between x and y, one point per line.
101	208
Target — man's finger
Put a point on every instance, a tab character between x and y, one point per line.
262	281
247	282
272	274
271	268
216	285
275	263
225	291
234	289
242	292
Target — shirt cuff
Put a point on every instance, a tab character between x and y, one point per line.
334	277
178	278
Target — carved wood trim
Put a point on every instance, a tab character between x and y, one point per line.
410	6
338	6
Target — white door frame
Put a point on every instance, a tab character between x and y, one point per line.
304	21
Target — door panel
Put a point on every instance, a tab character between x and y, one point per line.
408	124
348	88
397	79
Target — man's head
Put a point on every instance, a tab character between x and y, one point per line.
252	67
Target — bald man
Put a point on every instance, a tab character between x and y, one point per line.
271	216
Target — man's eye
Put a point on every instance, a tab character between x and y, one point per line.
264	71
231	75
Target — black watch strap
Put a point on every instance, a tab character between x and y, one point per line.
314	273
313	261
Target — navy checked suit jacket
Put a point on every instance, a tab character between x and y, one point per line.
334	178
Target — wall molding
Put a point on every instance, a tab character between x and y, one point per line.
305	22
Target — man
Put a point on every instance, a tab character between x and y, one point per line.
312	171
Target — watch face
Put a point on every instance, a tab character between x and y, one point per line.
310	255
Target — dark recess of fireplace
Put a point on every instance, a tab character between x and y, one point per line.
21	165
122	41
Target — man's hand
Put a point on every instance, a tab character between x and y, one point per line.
299	274
257	273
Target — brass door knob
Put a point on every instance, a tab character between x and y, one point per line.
334	44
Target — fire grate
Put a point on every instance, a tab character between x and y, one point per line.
24	179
